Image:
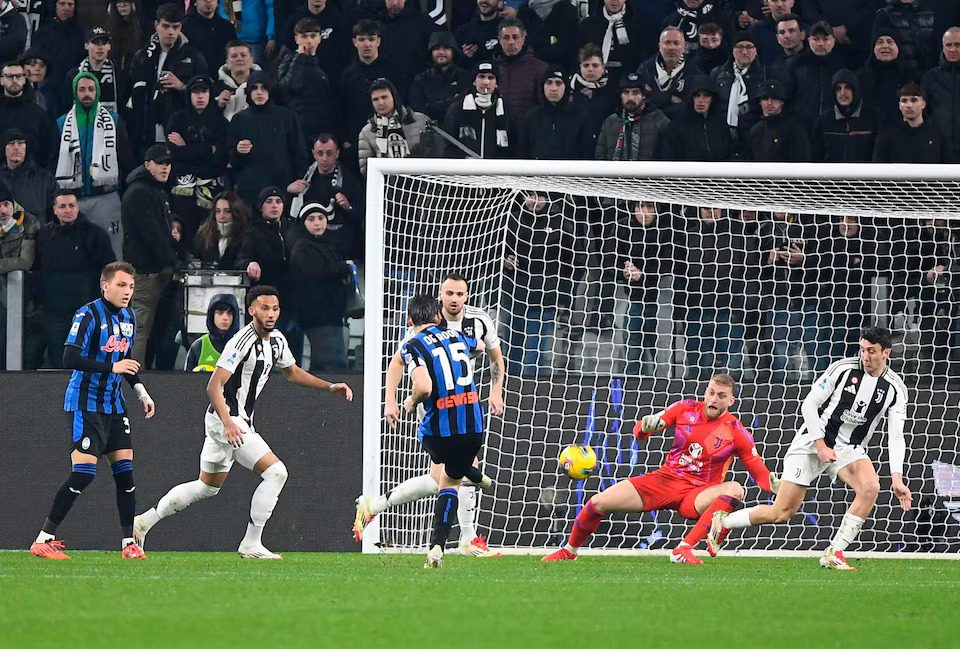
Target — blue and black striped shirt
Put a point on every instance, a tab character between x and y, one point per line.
102	333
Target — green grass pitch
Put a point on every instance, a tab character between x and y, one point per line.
212	600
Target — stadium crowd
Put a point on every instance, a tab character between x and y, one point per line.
235	136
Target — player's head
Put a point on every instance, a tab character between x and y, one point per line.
263	305
116	283
719	395
422	310
875	346
453	294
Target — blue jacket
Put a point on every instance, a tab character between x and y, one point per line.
256	21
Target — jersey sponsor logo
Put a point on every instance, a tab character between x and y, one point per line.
115	344
849	417
454	400
695	450
126	328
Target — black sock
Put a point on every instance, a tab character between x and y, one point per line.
81	476
474	475
444	516
126	495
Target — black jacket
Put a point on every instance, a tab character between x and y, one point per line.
904	143
483	34
664	99
62	44
778	138
32	186
70	258
14	30
354	94
623	59
209	36
434	90
846	134
554	38
692	136
597	103
335	45
649	248
724	77
145	215
880	84
205	154
317	282
404	41
558	131
24	113
810	79
307	91
482	131
942	84
265	242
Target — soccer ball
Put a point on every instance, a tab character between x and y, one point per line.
578	462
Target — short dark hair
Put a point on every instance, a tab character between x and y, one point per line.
259	291
67	191
14	63
788	17
235	43
366	27
323	138
512	21
306	26
912	89
589	51
878	336
456	277
423	309
115	267
710	28
171	12
382	84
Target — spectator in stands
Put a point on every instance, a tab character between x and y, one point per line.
230	88
356	79
14	31
914	20
254	22
479	38
737	82
94	157
791	36
265	142
36	66
538	272
551	31
884	73
645	242
32	186
394	131
713	50
123	23
848	131
319	278
111	80
700	131
71	252
305	85
217	244
197	137
667	73
557	129
158	74
19	109
18	234
915	139
634	132
624	40
480	120
208	31
62	41
147	240
851	20
223	321
435	89
591	89
942	84
405	34
777	137
520	71
766	32
690	15
810	74
334	46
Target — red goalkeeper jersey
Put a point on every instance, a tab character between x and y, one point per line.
703	449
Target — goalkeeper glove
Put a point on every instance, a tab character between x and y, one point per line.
648	426
774	482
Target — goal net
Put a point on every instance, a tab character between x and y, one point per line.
621	288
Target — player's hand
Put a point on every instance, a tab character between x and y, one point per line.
126	366
902	492
826	454
149	407
391	412
409	405
775	483
233	433
342	388
495	402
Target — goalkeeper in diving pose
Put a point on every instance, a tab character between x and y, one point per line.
706	439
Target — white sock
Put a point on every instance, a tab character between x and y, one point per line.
467	514
406	492
43	537
263	501
125	542
178	499
849	528
740	518
570	548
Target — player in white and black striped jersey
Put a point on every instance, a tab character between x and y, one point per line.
454	292
840	414
242	370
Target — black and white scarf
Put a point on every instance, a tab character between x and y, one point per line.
738	104
335	178
390	139
474	104
108	82
587	88
616	31
665	79
104	164
688	21
628	140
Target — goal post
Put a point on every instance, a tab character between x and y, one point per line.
754	269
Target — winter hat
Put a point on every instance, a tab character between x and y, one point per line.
442	39
740	37
5	193
266	193
771	90
199	82
632	80
886	30
316	208
488	67
12	135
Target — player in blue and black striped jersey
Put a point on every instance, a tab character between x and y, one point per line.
438	361
97	349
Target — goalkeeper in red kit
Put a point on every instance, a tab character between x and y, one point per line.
706	439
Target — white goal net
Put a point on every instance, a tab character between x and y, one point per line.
620	288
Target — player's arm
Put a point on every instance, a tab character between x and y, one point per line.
818	395
296	374
391	411
497	376
746	450
215	393
149	407
655	422
422	388
896	419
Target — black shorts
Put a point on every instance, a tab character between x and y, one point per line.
456	453
97	433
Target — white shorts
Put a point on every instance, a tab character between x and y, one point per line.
217	455
802	465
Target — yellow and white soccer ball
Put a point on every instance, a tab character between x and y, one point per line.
578	462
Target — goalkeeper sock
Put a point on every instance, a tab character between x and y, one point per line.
444	515
126	495
586	524
178	499
849	528
738	519
466	514
80	478
700	530
405	492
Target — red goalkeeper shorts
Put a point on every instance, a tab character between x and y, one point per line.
663	491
